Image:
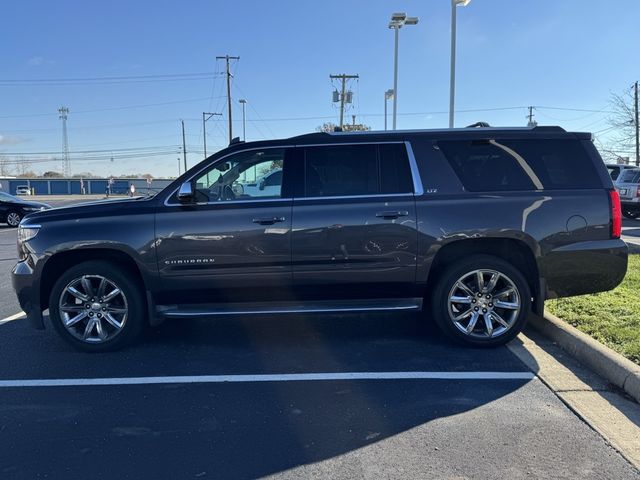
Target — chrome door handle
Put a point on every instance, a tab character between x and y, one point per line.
392	215
268	220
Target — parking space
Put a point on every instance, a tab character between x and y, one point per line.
298	396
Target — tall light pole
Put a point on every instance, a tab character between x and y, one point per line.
387	95
244	120
452	79
398	20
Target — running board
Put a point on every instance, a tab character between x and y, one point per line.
270	308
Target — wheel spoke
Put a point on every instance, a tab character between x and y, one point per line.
111	319
465	300
480	280
87	331
102	287
465	289
116	310
86	285
488	323
499	319
504	293
100	331
72	308
492	283
114	293
472	323
507	305
76	293
462	316
76	319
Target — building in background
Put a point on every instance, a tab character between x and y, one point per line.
74	186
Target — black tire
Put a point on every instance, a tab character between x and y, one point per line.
13	218
445	282
632	214
131	299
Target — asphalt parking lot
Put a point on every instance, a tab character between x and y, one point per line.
284	397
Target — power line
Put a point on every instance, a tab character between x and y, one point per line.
107	80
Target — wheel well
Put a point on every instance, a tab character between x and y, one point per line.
516	252
62	261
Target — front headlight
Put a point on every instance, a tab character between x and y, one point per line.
27	232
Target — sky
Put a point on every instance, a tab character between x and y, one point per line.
129	71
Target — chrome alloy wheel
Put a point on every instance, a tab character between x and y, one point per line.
93	308
13	219
484	303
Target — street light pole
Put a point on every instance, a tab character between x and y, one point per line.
387	95
398	20
395	77
244	120
452	78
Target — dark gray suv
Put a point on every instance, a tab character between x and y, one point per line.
477	226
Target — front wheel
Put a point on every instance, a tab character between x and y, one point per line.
13	219
481	300
632	214
96	307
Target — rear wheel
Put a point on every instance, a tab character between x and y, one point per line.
13	219
96	307
481	300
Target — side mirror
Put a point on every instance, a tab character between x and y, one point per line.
185	194
261	184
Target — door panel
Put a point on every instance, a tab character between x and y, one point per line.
354	229
234	244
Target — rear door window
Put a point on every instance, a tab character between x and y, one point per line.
630	176
357	170
507	165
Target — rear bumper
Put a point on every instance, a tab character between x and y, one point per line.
584	267
28	292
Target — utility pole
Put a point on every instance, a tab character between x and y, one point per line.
531	122
184	147
635	109
343	92
66	163
206	116
227	58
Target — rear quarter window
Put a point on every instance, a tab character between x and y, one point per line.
512	165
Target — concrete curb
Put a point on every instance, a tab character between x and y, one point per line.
612	366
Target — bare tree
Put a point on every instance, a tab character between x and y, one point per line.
622	140
5	169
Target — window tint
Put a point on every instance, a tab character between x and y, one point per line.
348	170
341	170
242	177
630	176
395	173
504	165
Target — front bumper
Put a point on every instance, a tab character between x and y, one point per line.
28	292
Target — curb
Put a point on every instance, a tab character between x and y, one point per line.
612	366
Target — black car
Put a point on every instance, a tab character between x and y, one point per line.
477	227
13	209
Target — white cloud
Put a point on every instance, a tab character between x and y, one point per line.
11	140
38	61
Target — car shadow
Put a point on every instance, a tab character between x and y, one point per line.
241	430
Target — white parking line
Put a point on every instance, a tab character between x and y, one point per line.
16	316
293	377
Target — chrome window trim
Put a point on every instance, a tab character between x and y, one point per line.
415	173
351	197
230	202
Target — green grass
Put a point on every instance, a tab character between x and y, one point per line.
612	318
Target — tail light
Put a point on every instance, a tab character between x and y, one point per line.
616	214
638	191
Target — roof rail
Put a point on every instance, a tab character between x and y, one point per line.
548	129
479	125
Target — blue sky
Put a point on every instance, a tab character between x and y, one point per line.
511	53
